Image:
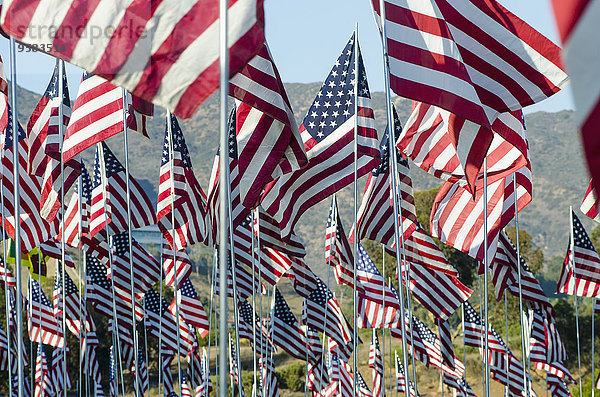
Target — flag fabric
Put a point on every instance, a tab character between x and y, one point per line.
269	234
338	252
161	323
321	303
328	136
511	376
184	387
205	387
12	328
155	55
576	25
286	330
42	325
181	207
234	372
589	206
109	196
112	373
420	249
267	135
413	338
439	293
557	386
546	350
57	376
453	148
177	265
303	280
505	275
376	365
3	97
167	376
6	277
190	307
98	115
4	350
375	216
244	284
585	259
569	284
317	377
74	309
44	147
270	388
77	214
248	316
362	390
446	348
141	376
475	59
43	382
460	385
401	380
474	331
457	214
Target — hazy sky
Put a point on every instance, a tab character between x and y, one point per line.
306	37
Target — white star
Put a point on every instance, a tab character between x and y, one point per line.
333	123
320	134
324	114
338	104
313	115
332	84
317	104
329	94
311	125
335	113
321	125
327	104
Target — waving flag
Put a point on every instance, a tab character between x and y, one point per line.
585	259
180	197
376	212
43	382
270	388
557	386
234	371
141	375
205	387
338	252
58	373
286	330
546	350
453	148
190	307
77	214
420	249
328	135
176	265
74	309
475	59
446	348
376	365
589	206
98	115
401	380
247	317
474	331
6	277
43	326
109	196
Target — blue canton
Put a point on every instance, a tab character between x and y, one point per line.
178	145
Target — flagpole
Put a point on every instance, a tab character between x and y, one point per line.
462	306
485	279
210	310
223	202
160	298
593	340
383	327
255	213
393	171
506	333
481	333
355	210
521	313
15	137
334	219
6	290
259	298
305	368
576	308
172	161
390	333
61	68
130	241
82	332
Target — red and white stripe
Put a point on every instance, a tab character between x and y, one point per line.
57	375
176	265
303	279
190	308
376	365
169	327
453	148
269	233
589	206
475	59
42	325
577	25
457	216
43	381
569	284
558	387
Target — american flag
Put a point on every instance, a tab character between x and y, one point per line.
146	269
303	280
453	148
414	338
401	381
34	229
248	316
346	380
184	387
267	134
420	248
474	330
77	220
269	235
286	330
446	348
577	29
375	310
43	382
430	341
141	375
233	366
166	327
546	350
98	389
98	115
57	375
244	285
569	284
176	265
4	351
317	378
167	376
338	252
505	275
6	277
109	196
511	377
362	390
460	385
112	373
589	206
472	44
180	196
557	386
44	146
74	307
43	326
194	370
12	327
178	67
322	312
270	388
585	261
466	232
439	293
204	388
52	249
328	135
376	212
3	97
190	307
89	361
376	365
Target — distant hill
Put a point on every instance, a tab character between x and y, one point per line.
559	173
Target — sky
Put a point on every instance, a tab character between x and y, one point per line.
306	37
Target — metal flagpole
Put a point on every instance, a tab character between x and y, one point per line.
334	219
383	327
396	366
481	333
485	280
521	313
260	313
6	290
390	334
576	308
231	372
398	237
172	161
40	311
462	306
160	298
255	213
593	340
223	202
355	186
15	137
82	296
61	68
506	333
210	310
130	241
